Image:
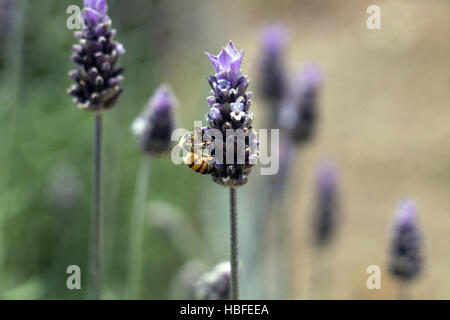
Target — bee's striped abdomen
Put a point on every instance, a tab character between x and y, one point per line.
199	164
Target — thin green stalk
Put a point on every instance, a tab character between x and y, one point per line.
234	253
96	258
137	227
321	272
10	100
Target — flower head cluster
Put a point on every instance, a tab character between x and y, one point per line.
215	285
229	113
153	128
406	243
299	113
273	82
97	80
324	220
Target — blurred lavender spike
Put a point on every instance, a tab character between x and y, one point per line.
324	220
215	285
153	128
97	80
229	109
300	109
406	242
272	73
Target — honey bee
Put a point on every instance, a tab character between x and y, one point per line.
196	159
202	164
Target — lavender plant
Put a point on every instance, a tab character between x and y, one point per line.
229	111
405	256
96	89
153	129
229	114
97	80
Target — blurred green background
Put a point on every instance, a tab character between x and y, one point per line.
384	118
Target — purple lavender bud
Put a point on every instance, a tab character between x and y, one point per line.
272	79
215	285
229	110
223	85
299	113
227	64
324	219
153	128
97	80
406	243
214	115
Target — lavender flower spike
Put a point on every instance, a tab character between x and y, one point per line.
153	128
406	243
229	109
273	82
324	221
97	80
299	114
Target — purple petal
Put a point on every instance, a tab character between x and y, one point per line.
237	107
89	4
241	54
224	59
222	75
120	48
101	6
213	60
211	100
91	17
235	67
223	84
215	114
232	50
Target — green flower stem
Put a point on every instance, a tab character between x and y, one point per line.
137	228
96	259
234	253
